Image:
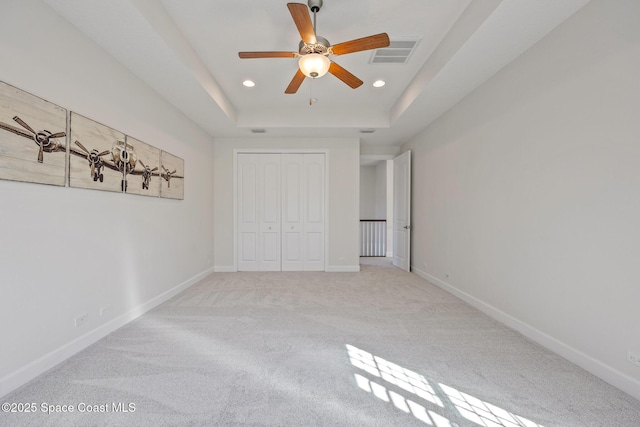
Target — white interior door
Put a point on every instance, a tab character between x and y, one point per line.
281	212
269	199
314	211
292	215
402	211
303	212
259	212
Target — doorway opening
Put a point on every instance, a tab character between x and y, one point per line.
376	208
385	208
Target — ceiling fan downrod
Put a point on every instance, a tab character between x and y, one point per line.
315	6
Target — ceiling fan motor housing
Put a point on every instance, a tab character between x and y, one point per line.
321	46
315	5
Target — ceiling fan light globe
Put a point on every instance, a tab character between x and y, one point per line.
314	65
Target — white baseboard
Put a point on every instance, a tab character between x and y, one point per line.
605	372
343	268
390	254
37	367
330	268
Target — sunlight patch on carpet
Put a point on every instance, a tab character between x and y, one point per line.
413	394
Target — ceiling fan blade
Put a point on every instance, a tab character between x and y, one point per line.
58	135
344	75
366	43
104	153
250	55
295	82
40	153
300	15
142	164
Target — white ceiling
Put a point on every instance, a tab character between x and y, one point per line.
187	51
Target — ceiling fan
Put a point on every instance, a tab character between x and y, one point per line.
314	50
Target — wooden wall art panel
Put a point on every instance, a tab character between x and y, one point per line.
172	171
145	177
99	156
33	141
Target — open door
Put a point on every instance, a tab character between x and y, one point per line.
402	211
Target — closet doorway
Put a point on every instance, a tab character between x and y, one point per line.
280	211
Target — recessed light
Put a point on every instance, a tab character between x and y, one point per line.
379	83
248	83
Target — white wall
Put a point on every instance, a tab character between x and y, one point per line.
67	251
381	190
527	193
343	190
367	192
373	191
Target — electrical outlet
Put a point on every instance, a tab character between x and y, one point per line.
82	319
633	358
104	310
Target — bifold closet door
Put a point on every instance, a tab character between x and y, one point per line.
259	237
303	212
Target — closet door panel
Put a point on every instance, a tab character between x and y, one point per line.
249	246
270	249
270	192
281	212
259	219
314	212
248	226
292	204
315	246
291	250
269	212
292	190
315	191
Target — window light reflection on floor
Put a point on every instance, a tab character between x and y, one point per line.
425	400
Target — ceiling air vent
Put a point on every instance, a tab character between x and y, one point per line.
258	130
398	52
368	130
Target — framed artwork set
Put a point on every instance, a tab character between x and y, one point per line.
41	142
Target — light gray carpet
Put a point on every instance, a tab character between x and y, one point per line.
377	348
